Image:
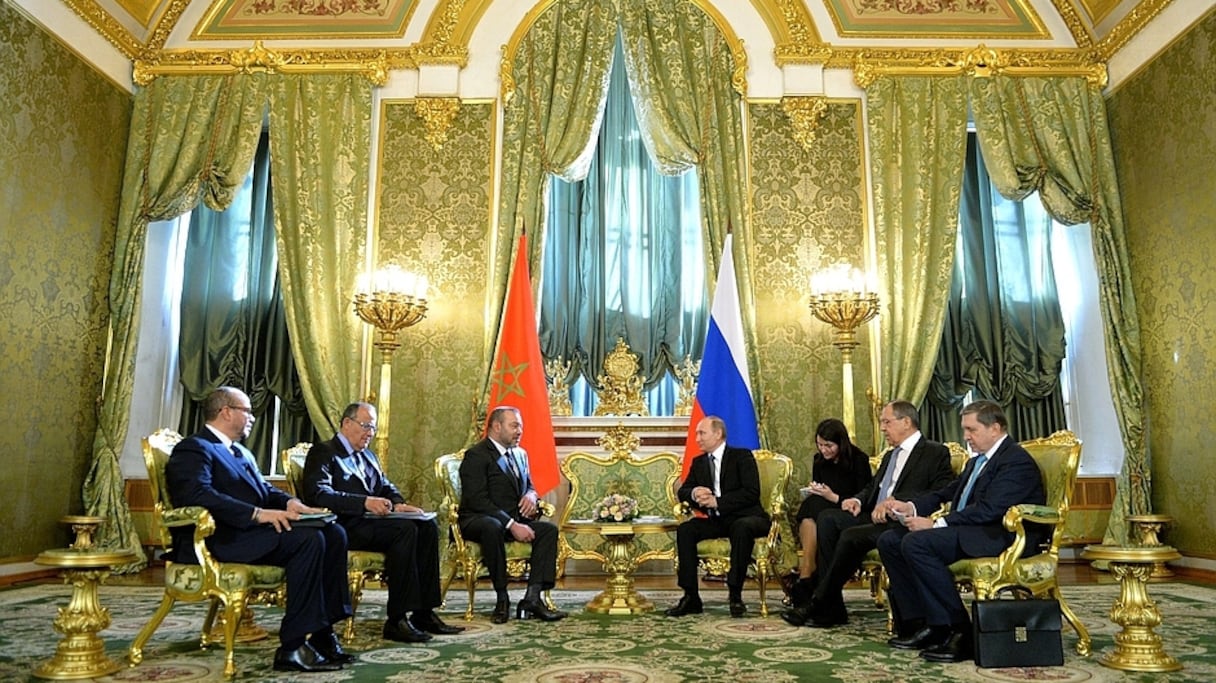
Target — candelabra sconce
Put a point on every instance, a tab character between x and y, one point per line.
841	298
389	299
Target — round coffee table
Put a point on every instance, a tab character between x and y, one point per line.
1137	647
620	561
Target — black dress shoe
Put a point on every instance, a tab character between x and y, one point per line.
402	631
303	659
905	629
502	612
829	616
957	648
797	616
686	605
526	609
738	610
329	648
431	623
927	636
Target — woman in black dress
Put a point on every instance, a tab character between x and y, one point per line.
839	471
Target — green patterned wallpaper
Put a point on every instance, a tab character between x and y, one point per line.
808	210
433	217
1163	125
64	128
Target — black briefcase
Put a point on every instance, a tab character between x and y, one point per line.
1017	633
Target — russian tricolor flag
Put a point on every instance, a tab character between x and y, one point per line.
723	388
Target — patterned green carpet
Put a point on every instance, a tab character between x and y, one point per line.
590	648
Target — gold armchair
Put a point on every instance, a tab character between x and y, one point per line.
651	481
1058	457
463	556
714	553
229	584
361	565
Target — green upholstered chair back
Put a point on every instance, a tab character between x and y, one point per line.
292	460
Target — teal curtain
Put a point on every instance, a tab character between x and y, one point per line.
233	329
1004	333
623	257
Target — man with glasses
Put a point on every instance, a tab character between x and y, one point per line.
343	475
253	525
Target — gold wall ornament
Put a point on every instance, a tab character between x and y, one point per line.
1131	24
687	372
107	26
1080	34
389	299
619	441
804	114
620	391
438	114
372	64
841	297
556	371
869	64
165	25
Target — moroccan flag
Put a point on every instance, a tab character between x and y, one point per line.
723	388
519	375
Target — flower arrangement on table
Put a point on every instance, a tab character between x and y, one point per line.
617	508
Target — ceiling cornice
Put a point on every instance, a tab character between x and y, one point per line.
107	26
1080	34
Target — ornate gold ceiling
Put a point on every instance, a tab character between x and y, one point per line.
835	33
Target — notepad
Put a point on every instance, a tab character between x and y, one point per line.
420	516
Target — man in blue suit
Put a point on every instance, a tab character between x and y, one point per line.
253	525
918	556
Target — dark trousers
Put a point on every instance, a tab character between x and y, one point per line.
317	592
918	565
492	535
411	560
844	541
742	532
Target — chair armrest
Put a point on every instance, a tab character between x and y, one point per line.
682	510
1015	521
546	508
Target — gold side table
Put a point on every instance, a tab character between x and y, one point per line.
1137	646
81	653
1147	533
620	561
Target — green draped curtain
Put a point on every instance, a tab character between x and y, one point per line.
194	137
233	327
561	82
918	132
320	158
1004	333
680	73
191	138
1051	135
623	256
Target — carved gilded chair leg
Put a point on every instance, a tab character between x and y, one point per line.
135	654
762	579
1083	639
355	580
470	582
209	623
233	610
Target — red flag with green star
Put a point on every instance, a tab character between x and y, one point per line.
519	376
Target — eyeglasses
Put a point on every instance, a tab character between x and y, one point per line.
248	411
366	426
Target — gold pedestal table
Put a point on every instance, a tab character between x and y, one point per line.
1137	647
1148	530
81	653
620	561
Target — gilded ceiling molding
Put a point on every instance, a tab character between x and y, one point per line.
373	64
1129	26
804	114
1080	34
437	114
107	26
165	25
441	43
869	64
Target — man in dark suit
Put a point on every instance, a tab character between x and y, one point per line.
723	483
914	466
497	503
253	525
343	475
917	557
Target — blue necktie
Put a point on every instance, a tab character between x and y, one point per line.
888	477
975	474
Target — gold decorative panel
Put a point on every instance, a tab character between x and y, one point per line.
1161	130
934	19
433	217
1099	9
141	10
270	19
808	209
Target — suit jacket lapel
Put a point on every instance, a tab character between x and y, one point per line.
240	466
